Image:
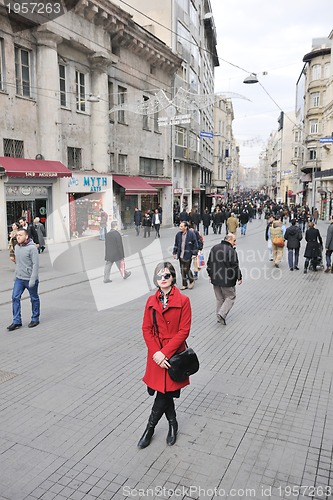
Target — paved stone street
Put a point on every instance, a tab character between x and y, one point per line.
256	421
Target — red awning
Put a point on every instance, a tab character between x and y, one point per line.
134	185
32	169
159	182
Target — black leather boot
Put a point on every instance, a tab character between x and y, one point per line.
156	413
170	414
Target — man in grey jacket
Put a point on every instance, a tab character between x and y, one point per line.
26	277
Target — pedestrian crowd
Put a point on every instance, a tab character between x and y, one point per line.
167	314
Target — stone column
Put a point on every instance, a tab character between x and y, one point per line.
100	112
48	104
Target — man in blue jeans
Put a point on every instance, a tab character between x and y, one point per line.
26	277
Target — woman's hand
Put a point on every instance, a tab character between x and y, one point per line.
161	360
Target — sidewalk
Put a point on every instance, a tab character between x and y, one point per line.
256	421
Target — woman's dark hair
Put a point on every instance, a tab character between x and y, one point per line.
165	265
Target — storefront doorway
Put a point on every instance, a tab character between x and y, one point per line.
28	209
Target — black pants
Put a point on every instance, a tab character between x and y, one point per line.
185	269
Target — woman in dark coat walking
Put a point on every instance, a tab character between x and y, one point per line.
313	247
166	326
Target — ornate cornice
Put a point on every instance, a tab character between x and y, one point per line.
124	32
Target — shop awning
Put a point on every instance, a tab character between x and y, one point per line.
32	169
134	185
159	182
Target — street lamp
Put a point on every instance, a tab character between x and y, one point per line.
252	78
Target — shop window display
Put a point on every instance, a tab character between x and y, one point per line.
84	213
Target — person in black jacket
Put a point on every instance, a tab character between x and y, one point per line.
114	252
185	249
146	223
32	233
313	247
293	236
206	219
224	272
243	220
137	220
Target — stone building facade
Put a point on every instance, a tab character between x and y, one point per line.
59	84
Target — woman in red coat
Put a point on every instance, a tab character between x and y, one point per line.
166	325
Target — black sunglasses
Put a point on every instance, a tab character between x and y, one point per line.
165	276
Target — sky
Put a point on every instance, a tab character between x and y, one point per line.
264	36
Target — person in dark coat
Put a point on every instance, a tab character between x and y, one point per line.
146	223
114	252
224	272
156	222
243	220
32	233
293	236
313	247
219	219
329	247
41	233
185	249
137	220
195	219
206	219
184	216
166	326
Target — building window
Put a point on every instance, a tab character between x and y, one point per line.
112	164
151	166
316	72
122	95
312	154
62	85
74	158
313	126
2	65
122	164
182	72
22	72
145	117
111	98
13	148
156	127
315	96
181	137
80	91
327	68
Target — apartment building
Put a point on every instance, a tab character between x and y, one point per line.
187	27
79	104
226	151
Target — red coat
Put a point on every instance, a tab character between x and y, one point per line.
174	323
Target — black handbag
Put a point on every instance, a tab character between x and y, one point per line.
183	364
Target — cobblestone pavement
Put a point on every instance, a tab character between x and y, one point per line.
256	421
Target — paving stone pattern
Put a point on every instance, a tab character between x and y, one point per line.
256	421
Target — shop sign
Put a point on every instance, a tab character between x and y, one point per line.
187	191
41	174
178	190
88	183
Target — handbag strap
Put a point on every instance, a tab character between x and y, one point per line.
155	328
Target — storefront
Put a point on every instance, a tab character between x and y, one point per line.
88	192
28	189
132	192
